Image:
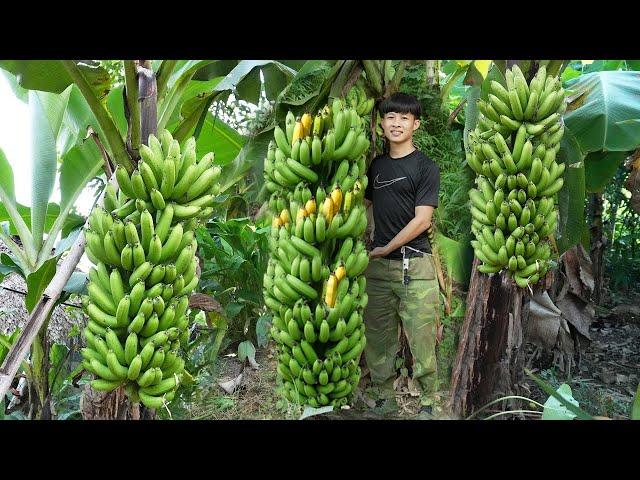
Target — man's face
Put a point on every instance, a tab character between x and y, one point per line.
399	127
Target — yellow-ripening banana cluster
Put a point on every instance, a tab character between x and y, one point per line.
314	284
144	249
513	151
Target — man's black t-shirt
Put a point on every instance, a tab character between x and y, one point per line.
396	186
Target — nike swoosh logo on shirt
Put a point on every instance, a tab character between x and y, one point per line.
377	184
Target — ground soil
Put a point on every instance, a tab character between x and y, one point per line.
604	383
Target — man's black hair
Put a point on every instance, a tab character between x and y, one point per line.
401	103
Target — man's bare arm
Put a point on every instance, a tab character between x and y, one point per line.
415	227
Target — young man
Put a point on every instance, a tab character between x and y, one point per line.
401	281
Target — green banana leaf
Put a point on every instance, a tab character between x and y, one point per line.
600	167
195	104
9	208
456	257
7	187
21	94
46	111
197	95
53	212
219	68
79	166
37	282
247	161
571	196
7	269
245	79
602	103
216	136
603	117
305	85
115	106
77	117
176	85
51	76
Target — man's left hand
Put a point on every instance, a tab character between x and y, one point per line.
378	252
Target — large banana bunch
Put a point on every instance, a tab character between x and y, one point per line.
143	246
315	169
513	151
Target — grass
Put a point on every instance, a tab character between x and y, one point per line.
255	399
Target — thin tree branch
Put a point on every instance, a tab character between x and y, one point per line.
108	170
430	67
113	138
456	111
133	107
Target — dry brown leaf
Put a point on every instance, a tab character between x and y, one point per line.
204	302
544	321
412	389
572	271
252	361
577	313
586	268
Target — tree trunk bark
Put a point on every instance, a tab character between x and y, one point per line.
490	358
597	244
432	72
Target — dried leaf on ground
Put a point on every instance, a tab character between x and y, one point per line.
230	386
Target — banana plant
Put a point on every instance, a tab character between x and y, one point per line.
39	226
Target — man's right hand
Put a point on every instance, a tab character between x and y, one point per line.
378	252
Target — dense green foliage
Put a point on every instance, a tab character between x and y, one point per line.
235	258
622	230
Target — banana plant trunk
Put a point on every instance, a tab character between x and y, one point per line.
491	352
597	244
115	405
490	358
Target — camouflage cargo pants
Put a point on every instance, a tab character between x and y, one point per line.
417	306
